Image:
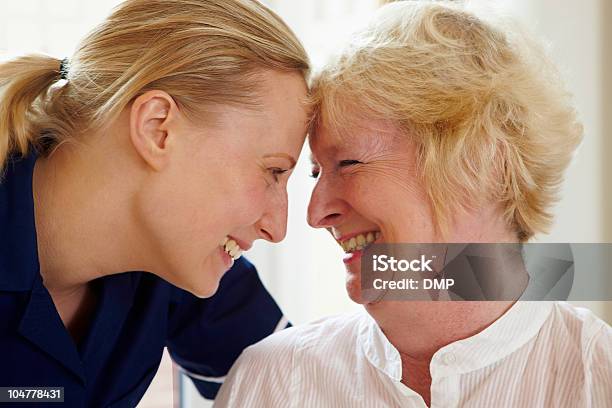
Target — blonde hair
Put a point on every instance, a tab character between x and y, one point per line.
485	107
201	52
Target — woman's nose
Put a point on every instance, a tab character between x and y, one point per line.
272	226
326	207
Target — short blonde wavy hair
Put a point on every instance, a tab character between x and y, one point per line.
486	108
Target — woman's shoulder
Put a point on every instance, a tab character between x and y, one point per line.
289	348
267	373
582	323
18	250
330	331
580	335
590	347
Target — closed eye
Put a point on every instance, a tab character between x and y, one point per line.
346	163
277	172
343	163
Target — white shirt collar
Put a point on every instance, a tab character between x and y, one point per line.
377	349
512	330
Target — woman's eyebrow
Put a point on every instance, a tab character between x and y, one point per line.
282	156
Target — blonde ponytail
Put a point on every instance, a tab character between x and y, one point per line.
201	52
24	86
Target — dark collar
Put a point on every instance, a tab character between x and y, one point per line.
19	271
19	266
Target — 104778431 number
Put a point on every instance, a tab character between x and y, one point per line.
31	394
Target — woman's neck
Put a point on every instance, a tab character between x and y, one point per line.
419	329
82	224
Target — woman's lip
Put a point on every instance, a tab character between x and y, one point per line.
350	257
243	245
227	260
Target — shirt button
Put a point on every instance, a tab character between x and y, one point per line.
449	358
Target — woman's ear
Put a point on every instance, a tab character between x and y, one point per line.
150	118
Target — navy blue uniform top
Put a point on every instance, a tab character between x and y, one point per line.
137	315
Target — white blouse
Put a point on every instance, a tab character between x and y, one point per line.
538	354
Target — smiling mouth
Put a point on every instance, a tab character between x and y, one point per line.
359	242
231	247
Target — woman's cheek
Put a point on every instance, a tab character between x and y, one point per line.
253	198
361	187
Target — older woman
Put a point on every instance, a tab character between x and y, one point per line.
434	126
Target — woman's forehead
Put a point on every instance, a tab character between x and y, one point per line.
353	132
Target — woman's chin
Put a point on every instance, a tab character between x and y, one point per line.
205	282
205	292
353	287
202	285
355	292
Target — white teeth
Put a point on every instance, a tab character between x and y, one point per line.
359	242
232	248
352	243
